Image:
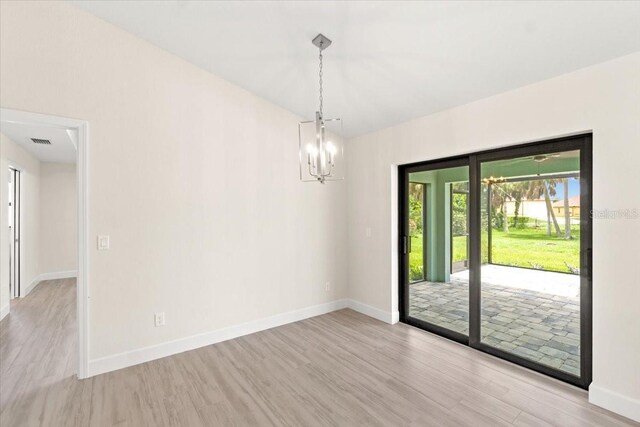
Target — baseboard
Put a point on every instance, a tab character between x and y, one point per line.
4	311
58	275
390	317
615	402
29	288
48	276
146	354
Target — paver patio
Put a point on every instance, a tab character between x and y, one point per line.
533	314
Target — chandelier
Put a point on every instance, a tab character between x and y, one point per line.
321	149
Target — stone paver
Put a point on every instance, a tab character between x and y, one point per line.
536	325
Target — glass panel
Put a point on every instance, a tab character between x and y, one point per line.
416	231
438	227
460	226
530	272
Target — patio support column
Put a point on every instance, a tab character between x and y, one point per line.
489	222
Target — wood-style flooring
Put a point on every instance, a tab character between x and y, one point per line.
340	369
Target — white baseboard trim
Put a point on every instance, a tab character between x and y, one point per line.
58	275
29	288
615	402
384	316
4	311
48	276
146	354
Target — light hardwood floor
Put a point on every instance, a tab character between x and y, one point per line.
340	369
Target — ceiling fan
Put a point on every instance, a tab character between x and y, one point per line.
544	157
538	158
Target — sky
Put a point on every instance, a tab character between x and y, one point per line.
574	189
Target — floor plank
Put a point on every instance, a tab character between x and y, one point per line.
338	369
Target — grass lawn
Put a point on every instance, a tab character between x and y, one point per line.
524	247
519	247
415	257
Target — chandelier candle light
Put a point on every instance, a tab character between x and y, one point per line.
321	151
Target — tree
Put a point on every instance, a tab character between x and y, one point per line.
567	213
498	204
546	188
415	207
517	191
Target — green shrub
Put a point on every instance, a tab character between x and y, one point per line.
415	273
521	222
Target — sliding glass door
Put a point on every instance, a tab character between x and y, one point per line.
495	253
437	298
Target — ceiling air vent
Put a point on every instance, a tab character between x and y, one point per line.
41	141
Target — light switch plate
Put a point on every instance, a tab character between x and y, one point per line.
103	243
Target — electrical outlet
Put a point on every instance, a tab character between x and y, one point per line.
367	231
327	287
159	319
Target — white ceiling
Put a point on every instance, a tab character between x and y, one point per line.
389	61
63	141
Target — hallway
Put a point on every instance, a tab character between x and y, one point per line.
38	349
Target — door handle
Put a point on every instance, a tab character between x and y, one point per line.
406	245
586	261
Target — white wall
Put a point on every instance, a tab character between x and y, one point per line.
604	98
14	155
194	179
58	222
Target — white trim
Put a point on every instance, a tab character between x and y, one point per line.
146	354
616	402
4	311
82	167
26	291
390	317
58	275
180	345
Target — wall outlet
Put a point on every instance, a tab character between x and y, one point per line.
159	319
327	287
367	231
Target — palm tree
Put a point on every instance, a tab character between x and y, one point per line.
546	187
567	213
498	203
517	190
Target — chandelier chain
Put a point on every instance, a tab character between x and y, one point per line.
320	78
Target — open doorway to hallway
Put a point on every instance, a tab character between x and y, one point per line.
496	253
42	250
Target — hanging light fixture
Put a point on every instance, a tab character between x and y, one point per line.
321	148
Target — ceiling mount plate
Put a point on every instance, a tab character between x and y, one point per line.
321	42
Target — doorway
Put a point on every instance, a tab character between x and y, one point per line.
14	232
507	253
77	131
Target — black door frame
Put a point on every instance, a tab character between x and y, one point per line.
583	143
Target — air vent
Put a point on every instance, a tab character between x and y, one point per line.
41	141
